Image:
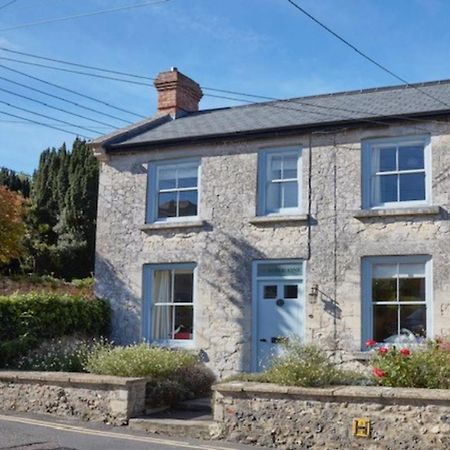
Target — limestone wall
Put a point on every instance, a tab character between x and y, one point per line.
332	243
89	397
301	418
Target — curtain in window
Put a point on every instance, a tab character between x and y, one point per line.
161	320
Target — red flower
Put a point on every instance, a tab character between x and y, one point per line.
405	352
383	350
371	343
378	372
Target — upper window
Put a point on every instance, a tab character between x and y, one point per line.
397	172
397	299
279	181
173	190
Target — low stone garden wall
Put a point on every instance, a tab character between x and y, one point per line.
323	418
89	397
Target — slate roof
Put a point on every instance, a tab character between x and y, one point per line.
304	112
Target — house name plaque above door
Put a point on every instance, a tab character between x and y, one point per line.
280	270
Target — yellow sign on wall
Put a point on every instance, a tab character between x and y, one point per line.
361	427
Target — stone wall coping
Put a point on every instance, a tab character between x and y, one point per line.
69	378
393	212
261	220
336	393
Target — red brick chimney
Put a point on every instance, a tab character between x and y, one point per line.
177	94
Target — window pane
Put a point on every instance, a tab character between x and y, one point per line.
184	320
290	194
167	204
167	178
188	204
387	159
413	318
412	186
290	166
412	289
291	291
388	188
385	322
384	289
162	322
270	292
410	158
275	167
187	176
409	270
183	288
273	197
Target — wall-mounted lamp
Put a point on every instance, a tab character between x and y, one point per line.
314	293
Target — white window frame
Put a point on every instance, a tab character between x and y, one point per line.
153	190
263	167
369	147
367	305
148	274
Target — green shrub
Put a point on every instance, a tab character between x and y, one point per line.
139	360
426	366
83	282
27	319
308	366
64	354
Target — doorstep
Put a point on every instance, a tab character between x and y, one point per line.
176	423
191	418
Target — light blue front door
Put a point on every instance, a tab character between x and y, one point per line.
279	309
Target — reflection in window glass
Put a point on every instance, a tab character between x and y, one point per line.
397	174
290	291
270	292
398	300
177	186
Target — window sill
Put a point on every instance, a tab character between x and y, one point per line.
267	220
172	225
397	212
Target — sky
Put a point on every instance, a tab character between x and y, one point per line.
263	47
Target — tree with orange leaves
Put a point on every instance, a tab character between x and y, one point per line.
12	227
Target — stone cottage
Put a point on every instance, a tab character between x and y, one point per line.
324	218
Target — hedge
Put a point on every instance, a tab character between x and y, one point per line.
27	319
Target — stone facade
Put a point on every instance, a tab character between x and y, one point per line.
224	244
307	418
89	397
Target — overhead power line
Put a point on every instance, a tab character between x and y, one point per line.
43	124
24	122
56	108
361	53
7	4
63	99
205	88
48	117
78	16
72	91
70	63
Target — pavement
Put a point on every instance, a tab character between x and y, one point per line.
40	432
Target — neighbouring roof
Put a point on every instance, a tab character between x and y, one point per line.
366	105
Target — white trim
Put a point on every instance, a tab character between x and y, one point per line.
255	280
367	173
147	284
366	290
153	168
263	158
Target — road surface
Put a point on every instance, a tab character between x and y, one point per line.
38	432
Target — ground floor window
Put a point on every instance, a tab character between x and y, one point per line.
171	305
397	298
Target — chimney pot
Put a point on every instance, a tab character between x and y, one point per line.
177	93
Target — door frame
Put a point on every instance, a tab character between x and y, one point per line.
255	303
